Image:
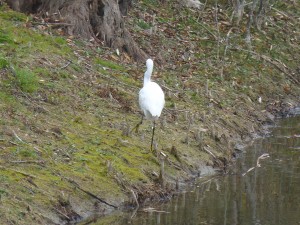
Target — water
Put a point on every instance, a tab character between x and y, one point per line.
266	195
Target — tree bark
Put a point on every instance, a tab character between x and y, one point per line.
98	19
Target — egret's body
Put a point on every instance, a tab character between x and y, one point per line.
151	97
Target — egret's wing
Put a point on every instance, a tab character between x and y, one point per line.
152	99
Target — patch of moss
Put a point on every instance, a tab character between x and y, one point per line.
109	64
5	38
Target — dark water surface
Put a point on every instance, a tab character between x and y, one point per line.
266	195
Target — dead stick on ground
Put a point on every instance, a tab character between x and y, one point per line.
52	24
89	193
215	37
17	136
17	171
66	65
13	143
28	161
61	213
135	198
207	150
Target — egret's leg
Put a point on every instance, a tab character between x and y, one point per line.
153	129
136	128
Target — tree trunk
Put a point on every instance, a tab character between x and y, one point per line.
98	19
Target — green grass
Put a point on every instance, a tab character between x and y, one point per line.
150	3
26	80
11	15
6	97
109	64
4	39
3	62
22	42
142	24
25	152
2	192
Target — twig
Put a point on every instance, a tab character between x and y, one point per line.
12	69
17	136
209	152
215	37
53	24
28	161
169	89
227	42
37	149
66	65
61	213
280	12
135	198
263	156
225	50
13	143
89	193
17	171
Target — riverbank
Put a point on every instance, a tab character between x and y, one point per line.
68	106
253	185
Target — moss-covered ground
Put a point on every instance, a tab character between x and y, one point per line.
68	106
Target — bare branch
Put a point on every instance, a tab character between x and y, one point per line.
263	156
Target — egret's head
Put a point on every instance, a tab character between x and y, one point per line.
149	63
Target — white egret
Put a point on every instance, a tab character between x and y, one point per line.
151	98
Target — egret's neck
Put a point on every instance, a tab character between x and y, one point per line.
148	75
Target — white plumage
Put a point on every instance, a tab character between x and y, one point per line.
151	96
